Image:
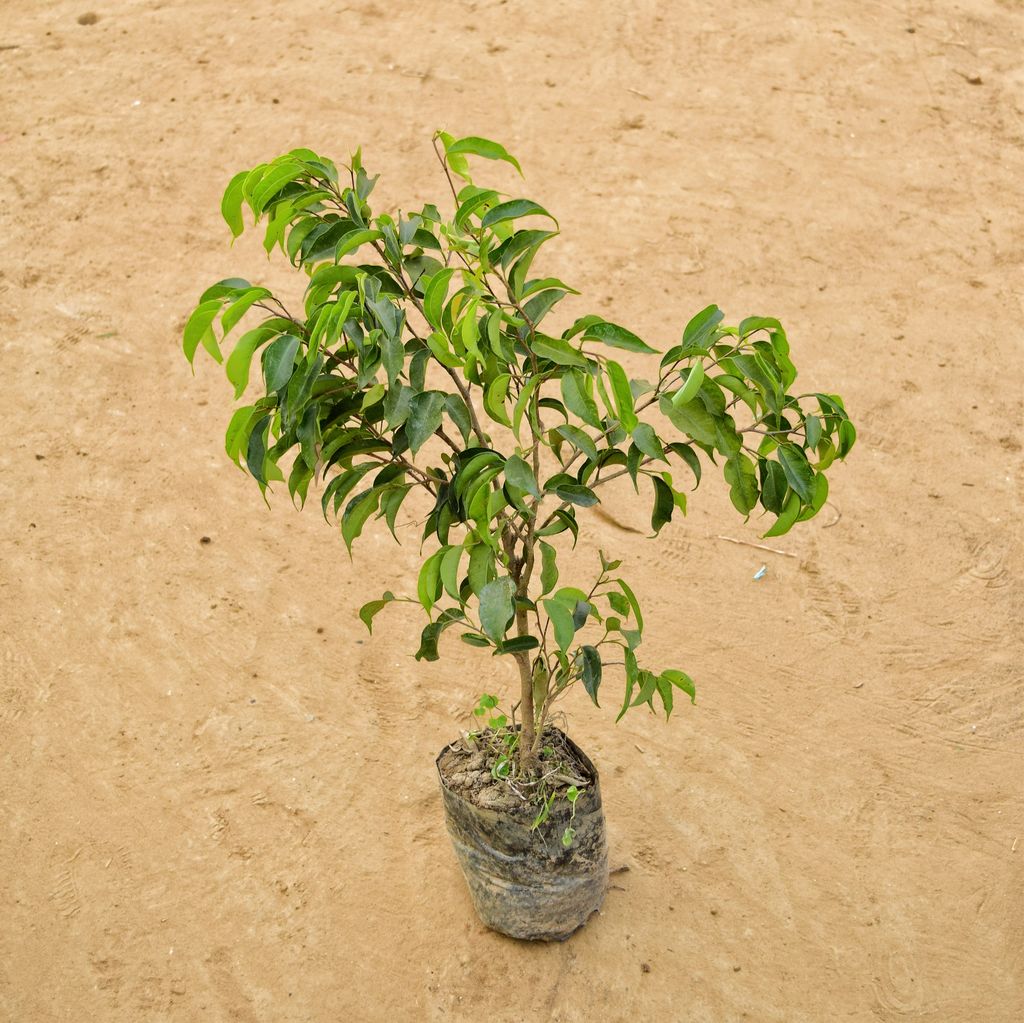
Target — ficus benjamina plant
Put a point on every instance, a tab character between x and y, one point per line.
421	361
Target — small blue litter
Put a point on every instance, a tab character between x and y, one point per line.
761	572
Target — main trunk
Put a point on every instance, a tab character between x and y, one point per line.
527	713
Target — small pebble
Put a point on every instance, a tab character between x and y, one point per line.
645	967
89	18
205	540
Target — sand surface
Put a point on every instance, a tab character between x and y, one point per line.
217	796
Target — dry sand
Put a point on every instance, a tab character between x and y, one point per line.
218	799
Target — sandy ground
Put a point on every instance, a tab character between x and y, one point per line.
218	799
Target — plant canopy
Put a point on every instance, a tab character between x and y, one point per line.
422	360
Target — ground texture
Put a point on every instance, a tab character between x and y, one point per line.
218	798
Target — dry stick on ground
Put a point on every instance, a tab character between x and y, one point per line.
759	546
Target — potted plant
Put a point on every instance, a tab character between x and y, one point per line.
421	367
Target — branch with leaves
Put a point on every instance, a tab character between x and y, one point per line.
430	366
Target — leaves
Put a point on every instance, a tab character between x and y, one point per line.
561	619
549	568
694	378
693	419
701	328
799	473
279	362
355	384
474	146
557	350
231	204
590	668
741	476
520	475
198	329
578	399
496	606
425	411
623	396
513	210
663	504
615	336
369	610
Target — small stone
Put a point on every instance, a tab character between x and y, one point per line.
205	540
645	967
89	18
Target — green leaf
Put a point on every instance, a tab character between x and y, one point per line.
623	395
647	441
682	681
436	295
518	645
473	639
496	606
694	378
429	638
236	437
591	671
798	470
847	437
557	350
231	204
474	146
575	493
549	568
663	504
785	521
279	362
494	399
512	211
565	519
615	336
742	479
428	587
812	430
198	328
693	419
239	361
577	400
520	475
370	609
774	487
561	619
353	240
277	176
699	330
358	510
631	597
240	307
425	412
575	436
459	415
450	561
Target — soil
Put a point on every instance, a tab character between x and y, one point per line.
466	768
219	799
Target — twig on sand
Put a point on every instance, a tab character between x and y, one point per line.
759	546
637	92
837	510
